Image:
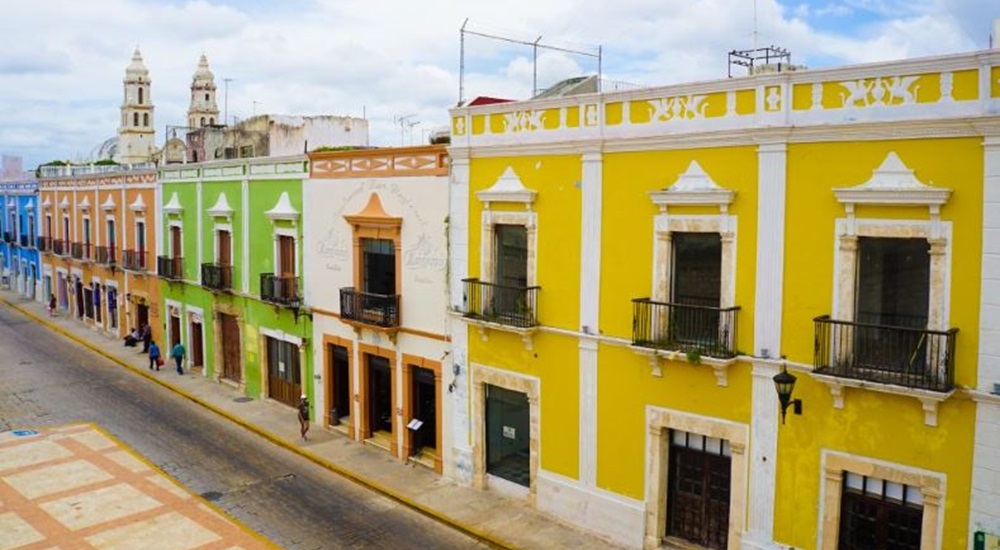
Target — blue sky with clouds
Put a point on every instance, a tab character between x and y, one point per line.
63	60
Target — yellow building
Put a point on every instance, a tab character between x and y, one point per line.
632	272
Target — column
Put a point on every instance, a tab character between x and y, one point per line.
590	287
462	465
198	239
245	234
771	184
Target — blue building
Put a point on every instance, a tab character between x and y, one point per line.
20	267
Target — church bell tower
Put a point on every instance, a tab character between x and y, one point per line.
203	110
136	136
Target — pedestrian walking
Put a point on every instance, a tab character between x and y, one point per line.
147	337
154	356
304	416
178	354
52	305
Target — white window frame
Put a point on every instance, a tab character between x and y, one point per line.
275	247
508	189
179	224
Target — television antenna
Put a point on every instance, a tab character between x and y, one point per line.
405	122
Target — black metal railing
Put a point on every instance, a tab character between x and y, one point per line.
701	330
60	247
80	251
371	309
43	244
279	290
217	277
516	306
170	267
905	356
105	255
134	260
25	240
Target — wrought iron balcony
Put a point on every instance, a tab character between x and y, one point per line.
80	251
904	356
279	290
217	277
105	255
44	244
134	260
371	309
170	268
514	306
701	330
25	240
60	247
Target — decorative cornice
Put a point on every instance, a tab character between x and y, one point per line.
508	188
47	203
109	205
84	205
64	204
374	215
693	187
138	205
173	206
892	183
283	209
221	209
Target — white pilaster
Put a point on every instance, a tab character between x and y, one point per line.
590	286
772	160
985	504
197	225
457	407
158	222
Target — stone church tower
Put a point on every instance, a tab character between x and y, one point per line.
136	136
203	110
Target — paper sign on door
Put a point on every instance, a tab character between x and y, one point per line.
508	432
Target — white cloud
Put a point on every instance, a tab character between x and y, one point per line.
64	60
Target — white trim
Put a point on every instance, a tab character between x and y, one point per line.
109	205
893	183
64	203
216	229
245	234
169	245
138	206
189	313
507	188
590	287
84	205
276	253
199	241
283	209
221	208
173	206
693	186
283	336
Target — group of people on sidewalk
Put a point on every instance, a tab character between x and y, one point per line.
145	335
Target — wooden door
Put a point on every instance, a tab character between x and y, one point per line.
698	491
140	236
230	348
225	259
175	330
197	357
284	382
286	266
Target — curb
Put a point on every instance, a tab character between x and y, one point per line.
424	510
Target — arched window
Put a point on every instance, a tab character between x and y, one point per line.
206	97
140	95
135	119
203	122
212	121
145	119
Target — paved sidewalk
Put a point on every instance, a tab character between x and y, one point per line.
490	518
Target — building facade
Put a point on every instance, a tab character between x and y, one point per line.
376	283
20	264
636	272
230	269
97	235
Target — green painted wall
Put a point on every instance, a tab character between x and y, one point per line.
210	192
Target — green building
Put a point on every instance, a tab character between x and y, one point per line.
230	265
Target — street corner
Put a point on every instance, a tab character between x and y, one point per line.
76	486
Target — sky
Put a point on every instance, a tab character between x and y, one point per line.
396	62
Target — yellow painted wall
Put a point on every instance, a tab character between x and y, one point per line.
874	425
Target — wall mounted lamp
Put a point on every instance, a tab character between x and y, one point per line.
784	382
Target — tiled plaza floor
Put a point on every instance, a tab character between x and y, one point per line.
76	487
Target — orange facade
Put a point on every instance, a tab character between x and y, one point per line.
98	237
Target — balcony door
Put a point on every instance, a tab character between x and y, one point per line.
286	267
225	258
379	267
510	270
112	241
140	240
695	286
893	290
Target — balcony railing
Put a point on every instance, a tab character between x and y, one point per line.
701	330
25	240
44	244
80	251
911	357
170	268
279	290
371	309
60	247
217	277
105	255
515	306
134	260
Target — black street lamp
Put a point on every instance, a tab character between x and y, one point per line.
784	382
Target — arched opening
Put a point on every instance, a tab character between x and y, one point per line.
145	119
202	122
140	95
206	97
135	119
211	121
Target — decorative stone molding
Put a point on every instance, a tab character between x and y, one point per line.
30	206
694	187
173	206
109	205
221	208
720	367
283	210
84	205
138	206
929	400
508	188
47	203
11	204
894	184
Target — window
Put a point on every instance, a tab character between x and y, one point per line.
140	240
875	513
86	237
135	119
31	226
379	267
65	233
202	121
175	242
211	121
140	95
145	119
511	264
112	237
206	97
893	282
246	151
